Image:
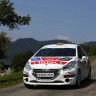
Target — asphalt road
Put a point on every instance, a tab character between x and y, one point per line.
87	89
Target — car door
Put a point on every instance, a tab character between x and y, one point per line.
82	63
85	61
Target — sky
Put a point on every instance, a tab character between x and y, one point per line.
73	20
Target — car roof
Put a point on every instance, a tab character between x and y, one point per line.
60	45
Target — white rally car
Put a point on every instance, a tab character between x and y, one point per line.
57	64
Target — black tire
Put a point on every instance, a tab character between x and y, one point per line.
28	86
89	75
78	80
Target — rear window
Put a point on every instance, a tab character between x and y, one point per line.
57	52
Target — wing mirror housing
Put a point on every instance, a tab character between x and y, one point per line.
84	58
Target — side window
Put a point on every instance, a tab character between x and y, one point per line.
83	52
79	52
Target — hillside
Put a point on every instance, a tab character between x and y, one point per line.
91	43
25	44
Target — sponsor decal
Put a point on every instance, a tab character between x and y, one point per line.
32	62
35	59
47	61
63	62
50	59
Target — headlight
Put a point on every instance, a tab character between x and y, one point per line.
70	65
27	66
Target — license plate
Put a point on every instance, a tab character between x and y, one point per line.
45	74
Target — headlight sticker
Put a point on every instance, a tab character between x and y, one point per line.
25	72
71	72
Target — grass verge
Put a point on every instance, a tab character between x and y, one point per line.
10	80
92	58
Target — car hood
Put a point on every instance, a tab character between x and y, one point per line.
49	62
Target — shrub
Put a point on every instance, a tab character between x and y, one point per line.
19	60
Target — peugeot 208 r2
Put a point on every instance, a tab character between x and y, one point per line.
57	64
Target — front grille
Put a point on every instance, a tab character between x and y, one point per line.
55	71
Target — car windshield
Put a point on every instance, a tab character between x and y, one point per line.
57	52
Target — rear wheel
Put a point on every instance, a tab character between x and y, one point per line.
78	80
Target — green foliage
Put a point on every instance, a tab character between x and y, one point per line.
4	40
19	60
90	50
92	58
93	50
12	79
1	66
9	18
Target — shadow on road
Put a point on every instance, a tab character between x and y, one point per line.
88	83
84	84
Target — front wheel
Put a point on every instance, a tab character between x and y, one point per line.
89	75
78	80
28	86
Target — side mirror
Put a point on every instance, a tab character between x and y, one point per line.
84	58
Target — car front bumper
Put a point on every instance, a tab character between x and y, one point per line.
67	77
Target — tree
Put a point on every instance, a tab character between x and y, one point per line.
19	60
1	66
4	40
93	50
9	18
